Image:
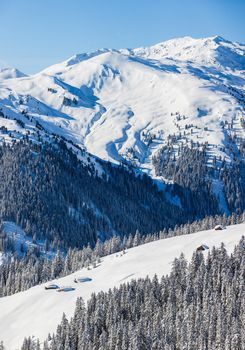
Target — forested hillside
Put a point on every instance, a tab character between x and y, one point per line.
202	186
101	273
54	196
198	306
57	197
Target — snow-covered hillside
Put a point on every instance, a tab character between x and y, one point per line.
38	311
125	104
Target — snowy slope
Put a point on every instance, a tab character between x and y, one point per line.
37	312
114	101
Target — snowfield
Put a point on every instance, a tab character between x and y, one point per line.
38	311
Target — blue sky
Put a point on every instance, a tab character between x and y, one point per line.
38	33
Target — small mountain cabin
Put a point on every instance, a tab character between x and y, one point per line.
202	247
218	228
51	286
82	279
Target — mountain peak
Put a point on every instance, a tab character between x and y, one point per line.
218	39
10	73
77	58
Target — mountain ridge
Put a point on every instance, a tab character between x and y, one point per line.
181	41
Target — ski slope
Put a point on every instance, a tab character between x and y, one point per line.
38	311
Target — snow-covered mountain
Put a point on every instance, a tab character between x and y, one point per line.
10	73
38	311
213	51
124	104
144	107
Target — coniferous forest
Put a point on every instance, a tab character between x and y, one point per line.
55	197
